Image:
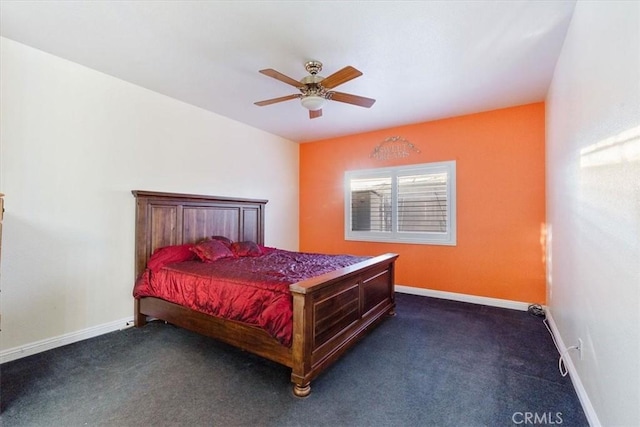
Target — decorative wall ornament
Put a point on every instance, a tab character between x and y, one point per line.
393	147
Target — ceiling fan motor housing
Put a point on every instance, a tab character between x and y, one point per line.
312	85
313	67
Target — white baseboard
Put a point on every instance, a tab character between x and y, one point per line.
494	302
587	407
51	343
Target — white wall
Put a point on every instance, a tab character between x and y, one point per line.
593	204
75	142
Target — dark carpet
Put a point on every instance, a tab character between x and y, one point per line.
436	363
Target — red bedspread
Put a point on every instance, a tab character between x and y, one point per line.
252	290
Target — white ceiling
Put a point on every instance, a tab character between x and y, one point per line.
422	60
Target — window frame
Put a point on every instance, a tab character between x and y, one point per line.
447	238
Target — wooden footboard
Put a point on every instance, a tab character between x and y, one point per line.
331	312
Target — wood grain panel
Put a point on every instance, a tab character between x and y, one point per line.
251	226
375	290
201	221
164	226
335	313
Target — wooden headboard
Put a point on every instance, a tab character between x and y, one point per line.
164	219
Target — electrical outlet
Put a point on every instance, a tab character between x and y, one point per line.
580	345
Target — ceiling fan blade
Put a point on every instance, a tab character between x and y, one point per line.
341	76
315	113
279	76
274	100
360	101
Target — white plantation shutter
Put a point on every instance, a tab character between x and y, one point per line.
422	203
406	204
371	204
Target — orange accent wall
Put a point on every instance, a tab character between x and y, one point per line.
500	162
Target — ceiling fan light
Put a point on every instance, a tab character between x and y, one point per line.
312	102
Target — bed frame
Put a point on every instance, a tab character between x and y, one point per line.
330	312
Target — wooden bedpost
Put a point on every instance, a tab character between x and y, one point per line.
139	319
301	346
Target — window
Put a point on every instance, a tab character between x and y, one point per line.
404	204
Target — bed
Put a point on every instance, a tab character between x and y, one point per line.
331	312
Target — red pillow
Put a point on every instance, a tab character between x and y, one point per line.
266	250
246	249
211	250
169	254
227	242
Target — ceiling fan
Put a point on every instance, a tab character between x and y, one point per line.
315	89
